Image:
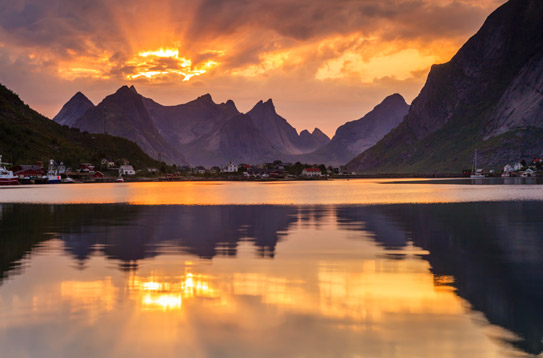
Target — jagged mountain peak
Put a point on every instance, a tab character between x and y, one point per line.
73	109
317	131
265	106
79	96
205	98
230	105
126	91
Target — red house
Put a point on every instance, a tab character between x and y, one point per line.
28	171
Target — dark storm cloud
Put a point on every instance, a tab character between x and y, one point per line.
87	26
62	26
303	20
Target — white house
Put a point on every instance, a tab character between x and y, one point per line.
230	168
127	170
311	172
508	169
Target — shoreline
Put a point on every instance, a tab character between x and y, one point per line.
242	179
264	180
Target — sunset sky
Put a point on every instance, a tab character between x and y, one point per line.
323	62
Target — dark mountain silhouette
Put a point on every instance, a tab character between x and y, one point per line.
211	134
185	123
280	133
27	137
308	142
489	97
355	137
123	114
201	131
73	109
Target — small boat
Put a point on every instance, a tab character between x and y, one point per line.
52	175
476	173
6	176
120	179
69	180
528	173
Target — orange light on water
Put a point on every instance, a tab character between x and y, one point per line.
167	293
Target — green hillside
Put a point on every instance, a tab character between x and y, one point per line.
26	137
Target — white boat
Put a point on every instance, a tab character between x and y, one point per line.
528	173
6	176
476	173
53	176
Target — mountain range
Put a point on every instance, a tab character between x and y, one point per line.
27	137
202	132
489	97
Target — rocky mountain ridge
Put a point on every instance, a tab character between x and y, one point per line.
489	97
200	132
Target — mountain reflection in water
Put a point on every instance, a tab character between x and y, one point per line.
354	267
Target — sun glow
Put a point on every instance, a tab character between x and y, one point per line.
164	63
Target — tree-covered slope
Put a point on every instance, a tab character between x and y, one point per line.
26	137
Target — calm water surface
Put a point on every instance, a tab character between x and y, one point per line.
425	271
360	191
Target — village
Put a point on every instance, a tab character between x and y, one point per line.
121	170
520	169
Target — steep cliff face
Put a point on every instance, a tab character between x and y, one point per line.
240	140
123	114
187	122
73	109
354	137
278	131
489	97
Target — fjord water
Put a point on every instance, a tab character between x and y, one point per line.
434	275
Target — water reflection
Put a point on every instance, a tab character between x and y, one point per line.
492	250
131	233
378	281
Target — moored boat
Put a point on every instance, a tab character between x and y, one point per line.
52	175
476	173
6	176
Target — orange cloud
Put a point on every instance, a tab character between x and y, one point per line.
308	52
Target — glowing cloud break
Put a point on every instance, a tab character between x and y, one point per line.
163	63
